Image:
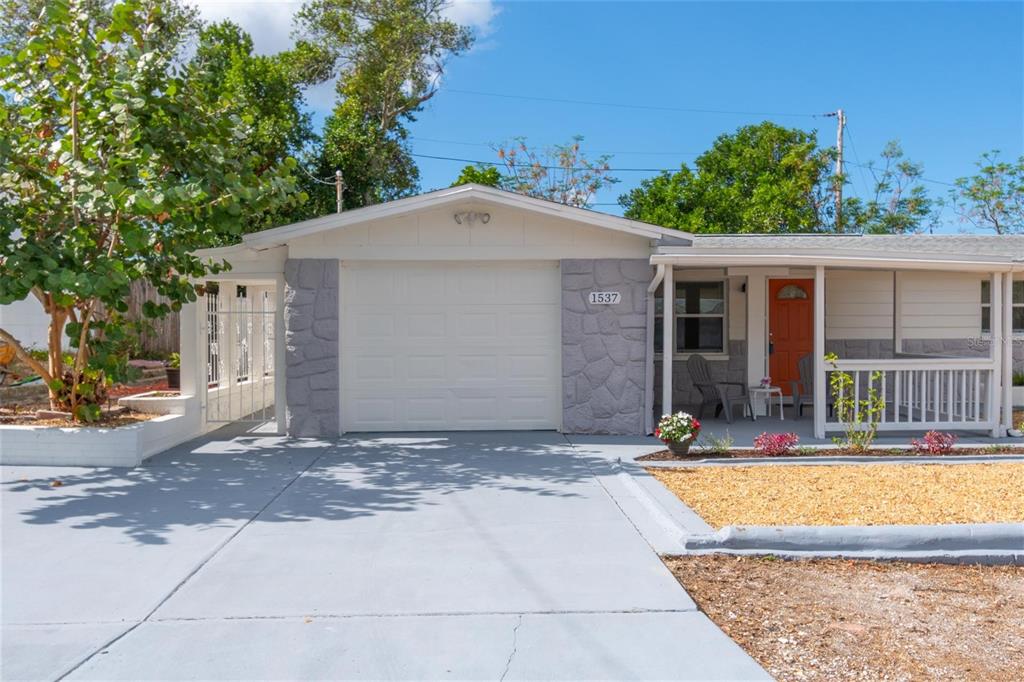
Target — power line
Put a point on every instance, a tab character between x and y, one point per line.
620	105
312	177
595	151
530	165
860	167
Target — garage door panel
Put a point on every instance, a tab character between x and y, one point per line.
482	354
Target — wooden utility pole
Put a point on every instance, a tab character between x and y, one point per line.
339	185
841	120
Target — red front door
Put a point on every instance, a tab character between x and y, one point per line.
790	328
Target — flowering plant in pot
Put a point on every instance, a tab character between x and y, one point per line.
678	431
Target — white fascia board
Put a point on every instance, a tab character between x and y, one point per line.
706	257
399	207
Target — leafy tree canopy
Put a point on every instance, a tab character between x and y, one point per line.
113	168
762	178
387	58
480	175
900	203
561	173
993	198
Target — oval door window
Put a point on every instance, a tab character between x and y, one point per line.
791	292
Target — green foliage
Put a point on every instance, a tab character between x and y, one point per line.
561	173
993	198
114	168
388	58
762	178
859	418
717	445
900	203
1018	378
264	90
174	361
480	175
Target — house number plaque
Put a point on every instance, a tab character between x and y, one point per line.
605	297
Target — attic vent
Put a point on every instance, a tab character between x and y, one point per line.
791	292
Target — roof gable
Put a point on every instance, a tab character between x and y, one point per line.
456	195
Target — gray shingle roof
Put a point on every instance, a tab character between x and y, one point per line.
954	244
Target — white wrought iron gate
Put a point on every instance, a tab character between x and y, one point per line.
240	330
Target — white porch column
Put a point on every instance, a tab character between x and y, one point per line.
668	288
995	393
280	368
659	275
193	361
820	385
1007	354
757	327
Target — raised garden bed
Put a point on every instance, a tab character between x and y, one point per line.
40	415
866	495
855	620
744	453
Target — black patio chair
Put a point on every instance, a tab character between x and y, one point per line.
714	392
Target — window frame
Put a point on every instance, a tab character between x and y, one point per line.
722	354
1018	302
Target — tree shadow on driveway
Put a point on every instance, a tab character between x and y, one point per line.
225	478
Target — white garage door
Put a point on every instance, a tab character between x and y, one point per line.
460	346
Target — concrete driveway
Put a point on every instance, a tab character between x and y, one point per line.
456	556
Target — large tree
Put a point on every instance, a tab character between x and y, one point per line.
762	178
387	58
899	203
992	199
113	168
264	91
562	173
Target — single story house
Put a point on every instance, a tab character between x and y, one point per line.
476	308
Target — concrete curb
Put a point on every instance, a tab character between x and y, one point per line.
988	543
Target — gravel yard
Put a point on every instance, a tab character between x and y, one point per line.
861	495
854	620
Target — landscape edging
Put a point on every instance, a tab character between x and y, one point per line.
974	543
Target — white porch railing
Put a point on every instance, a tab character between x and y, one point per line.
921	394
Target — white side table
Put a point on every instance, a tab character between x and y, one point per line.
765	393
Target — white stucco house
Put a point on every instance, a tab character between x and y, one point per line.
474	308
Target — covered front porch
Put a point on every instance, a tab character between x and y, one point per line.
932	335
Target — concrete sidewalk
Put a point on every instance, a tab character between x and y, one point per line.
471	556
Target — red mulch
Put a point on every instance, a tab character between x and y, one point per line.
120	391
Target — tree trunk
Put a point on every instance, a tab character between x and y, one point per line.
58	317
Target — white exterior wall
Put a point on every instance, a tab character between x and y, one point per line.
26	321
933	305
511	234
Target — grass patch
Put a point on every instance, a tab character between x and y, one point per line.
850	495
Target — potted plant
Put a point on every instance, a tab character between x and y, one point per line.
173	370
678	431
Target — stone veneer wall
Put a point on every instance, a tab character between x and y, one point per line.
604	347
883	348
311	347
684	395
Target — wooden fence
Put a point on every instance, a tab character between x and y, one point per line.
159	336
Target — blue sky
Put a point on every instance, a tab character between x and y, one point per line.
946	79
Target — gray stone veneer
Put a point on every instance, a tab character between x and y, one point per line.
311	347
883	348
604	347
684	395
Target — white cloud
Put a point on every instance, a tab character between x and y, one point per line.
269	22
477	14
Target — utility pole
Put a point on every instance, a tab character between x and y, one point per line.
841	120
339	185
